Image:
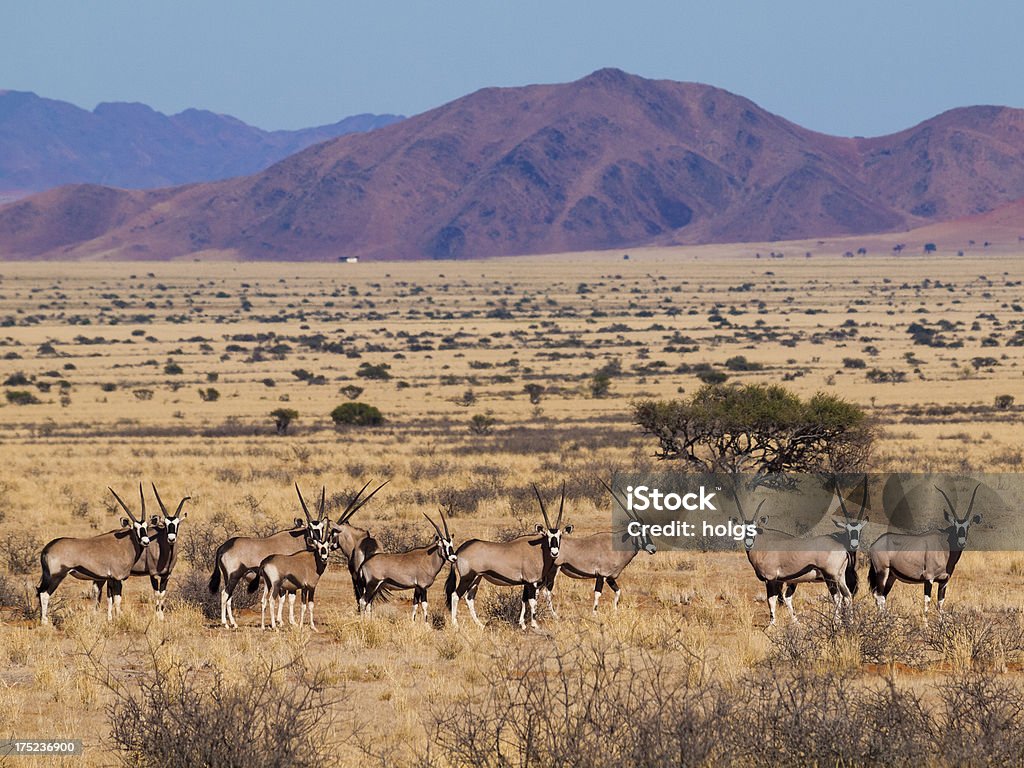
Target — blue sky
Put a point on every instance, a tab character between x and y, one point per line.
861	67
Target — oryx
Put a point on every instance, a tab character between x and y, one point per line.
108	557
782	560
599	557
416	569
157	560
923	558
525	561
295	573
356	544
242	555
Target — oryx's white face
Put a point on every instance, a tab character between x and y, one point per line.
140	532
553	537
318	529
319	545
753	529
171	525
853	531
643	541
447	547
960	528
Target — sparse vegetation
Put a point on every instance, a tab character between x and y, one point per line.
357	415
283	417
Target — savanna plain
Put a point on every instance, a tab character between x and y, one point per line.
491	376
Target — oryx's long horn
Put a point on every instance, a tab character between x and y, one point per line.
543	509
952	509
739	505
352	502
758	510
443	520
842	502
622	502
348	514
302	501
439	534
970	506
864	501
123	505
181	504
561	507
142	496
160	501
323	503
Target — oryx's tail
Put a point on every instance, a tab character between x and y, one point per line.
873	579
851	573
449	586
214	584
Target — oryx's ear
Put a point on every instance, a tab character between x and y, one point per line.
540	528
976	519
625	537
125	522
864	519
154	520
567	529
763	520
837	524
298	522
183	515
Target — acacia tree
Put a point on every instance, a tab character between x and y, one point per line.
764	429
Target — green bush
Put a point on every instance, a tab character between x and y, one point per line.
21	397
380	372
357	415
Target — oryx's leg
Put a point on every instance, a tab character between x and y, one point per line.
551	601
163	593
227	613
787	598
598	586
114	588
617	590
264	599
97	593
927	596
302	613
942	594
154	583
291	608
419	595
312	602
279	594
773	589
835	591
47	586
470	594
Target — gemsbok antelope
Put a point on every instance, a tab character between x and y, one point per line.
923	558
157	560
597	556
108	557
525	561
240	556
356	544
782	560
296	573
416	569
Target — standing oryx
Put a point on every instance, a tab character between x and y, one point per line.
525	561
157	560
597	556
923	558
108	557
415	569
242	555
356	544
782	560
296	573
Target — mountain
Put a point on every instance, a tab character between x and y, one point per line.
46	143
609	161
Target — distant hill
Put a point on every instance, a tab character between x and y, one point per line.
46	143
609	161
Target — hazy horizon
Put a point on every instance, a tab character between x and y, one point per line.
868	69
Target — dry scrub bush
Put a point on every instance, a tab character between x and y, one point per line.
179	715
193	589
20	551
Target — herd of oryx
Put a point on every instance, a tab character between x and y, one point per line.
291	562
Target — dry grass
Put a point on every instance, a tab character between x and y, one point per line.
492	328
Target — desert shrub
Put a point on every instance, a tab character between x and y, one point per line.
351	391
180	714
143	394
192	588
482	423
21	397
357	415
379	371
1004	402
970	640
712	377
600	384
17	379
534	392
757	427
402	538
740	363
173	369
283	417
854	363
20	551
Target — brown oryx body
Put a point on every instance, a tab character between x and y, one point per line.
298	573
782	560
526	561
356	544
416	569
602	556
108	557
242	555
925	558
158	559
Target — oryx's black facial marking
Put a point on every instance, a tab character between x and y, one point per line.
553	537
853	532
959	526
447	547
